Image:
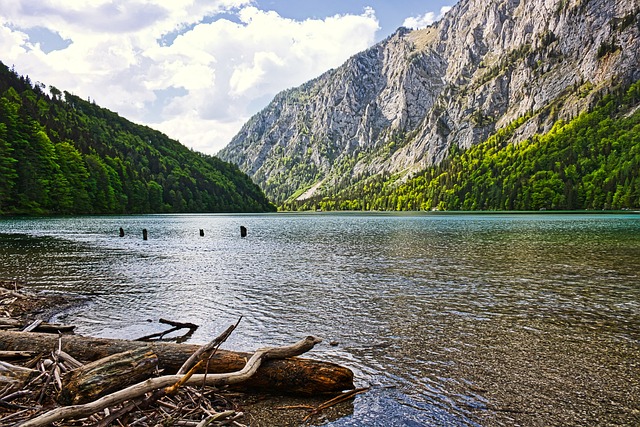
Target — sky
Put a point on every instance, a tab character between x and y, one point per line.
195	70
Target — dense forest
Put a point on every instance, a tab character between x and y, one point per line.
591	162
60	154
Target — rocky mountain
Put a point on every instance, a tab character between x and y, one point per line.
399	106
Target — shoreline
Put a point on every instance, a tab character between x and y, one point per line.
258	409
28	305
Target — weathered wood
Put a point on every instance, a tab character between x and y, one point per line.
247	371
176	327
32	326
68	359
54	328
207	349
11	323
17	354
290	376
107	375
175	324
14	375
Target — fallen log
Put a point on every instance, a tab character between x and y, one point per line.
296	375
248	370
10	322
107	375
54	328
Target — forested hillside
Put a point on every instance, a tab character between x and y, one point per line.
60	154
592	162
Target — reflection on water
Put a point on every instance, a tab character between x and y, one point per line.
453	319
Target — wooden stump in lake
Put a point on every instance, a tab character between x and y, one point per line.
243	231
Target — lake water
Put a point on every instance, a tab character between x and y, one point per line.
452	319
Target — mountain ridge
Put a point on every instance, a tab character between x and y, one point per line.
399	106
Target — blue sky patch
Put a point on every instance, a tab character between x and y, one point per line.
163	97
48	40
168	38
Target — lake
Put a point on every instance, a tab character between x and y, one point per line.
452	319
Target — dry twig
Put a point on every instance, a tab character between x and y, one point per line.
331	402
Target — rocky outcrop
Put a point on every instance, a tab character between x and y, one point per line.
398	107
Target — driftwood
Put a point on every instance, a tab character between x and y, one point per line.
299	376
186	371
342	397
38	326
159	396
14	375
54	328
175	326
137	390
17	354
206	351
32	326
107	375
186	399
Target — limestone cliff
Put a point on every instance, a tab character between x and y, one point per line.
398	107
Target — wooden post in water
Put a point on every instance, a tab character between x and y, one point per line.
121	232
201	232
144	234
243	231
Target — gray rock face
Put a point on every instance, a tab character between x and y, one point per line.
397	107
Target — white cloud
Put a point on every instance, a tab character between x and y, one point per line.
218	70
13	43
200	134
251	76
422	21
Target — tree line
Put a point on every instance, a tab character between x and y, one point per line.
591	162
60	154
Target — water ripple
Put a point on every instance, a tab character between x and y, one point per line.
426	309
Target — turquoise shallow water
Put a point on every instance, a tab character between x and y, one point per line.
453	319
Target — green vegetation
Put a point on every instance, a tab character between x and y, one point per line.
63	155
592	162
607	47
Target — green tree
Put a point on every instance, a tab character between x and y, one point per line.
73	168
8	173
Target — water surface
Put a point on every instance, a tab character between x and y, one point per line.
453	319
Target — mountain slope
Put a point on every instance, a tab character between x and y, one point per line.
590	163
68	156
399	106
